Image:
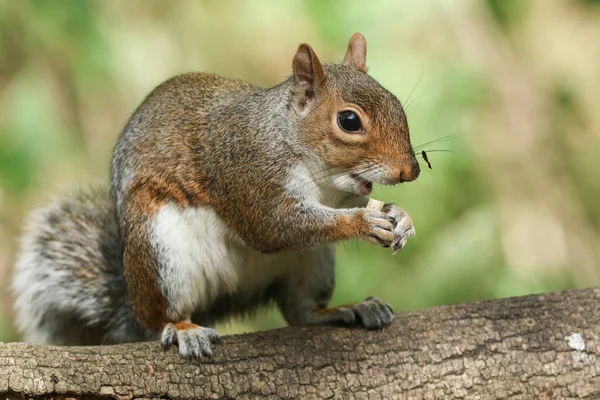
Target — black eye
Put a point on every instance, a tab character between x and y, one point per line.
349	121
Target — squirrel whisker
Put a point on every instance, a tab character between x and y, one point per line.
452	136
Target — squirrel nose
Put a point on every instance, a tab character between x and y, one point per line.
408	172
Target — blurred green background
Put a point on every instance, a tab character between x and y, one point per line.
507	90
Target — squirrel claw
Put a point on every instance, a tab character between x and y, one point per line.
403	227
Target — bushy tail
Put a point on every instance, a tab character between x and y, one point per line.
68	281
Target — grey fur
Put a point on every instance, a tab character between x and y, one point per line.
308	285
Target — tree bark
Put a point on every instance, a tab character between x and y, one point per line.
540	346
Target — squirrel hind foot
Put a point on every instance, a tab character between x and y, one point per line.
193	341
372	313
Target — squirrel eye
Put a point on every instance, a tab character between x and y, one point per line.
349	121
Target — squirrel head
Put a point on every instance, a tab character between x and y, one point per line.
354	125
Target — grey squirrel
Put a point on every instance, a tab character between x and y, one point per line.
224	197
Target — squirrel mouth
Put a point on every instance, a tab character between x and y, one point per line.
363	186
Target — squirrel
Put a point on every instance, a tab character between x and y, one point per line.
224	197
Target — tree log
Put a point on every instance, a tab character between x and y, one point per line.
540	346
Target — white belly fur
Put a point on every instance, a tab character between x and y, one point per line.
201	259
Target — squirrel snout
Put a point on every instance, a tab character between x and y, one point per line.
407	172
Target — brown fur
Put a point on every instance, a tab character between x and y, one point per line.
148	302
184	326
331	310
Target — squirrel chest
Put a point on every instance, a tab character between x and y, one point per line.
206	260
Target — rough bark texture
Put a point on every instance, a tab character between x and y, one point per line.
541	346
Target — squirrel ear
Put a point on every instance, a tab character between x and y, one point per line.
308	75
357	52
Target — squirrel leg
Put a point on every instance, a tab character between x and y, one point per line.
306	295
157	267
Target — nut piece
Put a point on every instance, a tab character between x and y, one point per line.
375	204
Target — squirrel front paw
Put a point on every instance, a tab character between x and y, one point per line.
376	227
193	341
403	226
